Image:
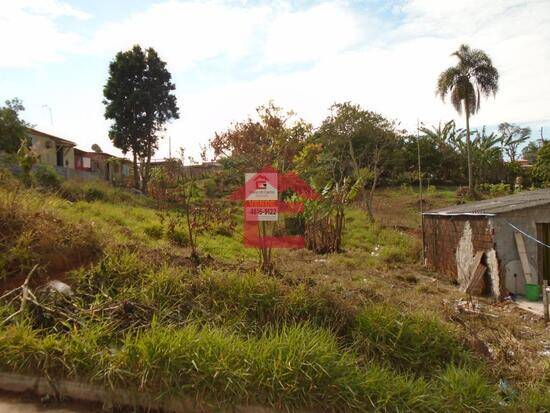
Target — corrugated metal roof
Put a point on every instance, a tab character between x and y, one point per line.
489	207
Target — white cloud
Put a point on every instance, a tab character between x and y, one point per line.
398	79
30	34
53	8
352	55
308	35
185	33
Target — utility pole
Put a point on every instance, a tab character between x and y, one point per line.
170	147
541	135
420	191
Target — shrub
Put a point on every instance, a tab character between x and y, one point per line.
7	179
94	194
223	230
46	177
178	237
154	231
210	188
96	190
495	190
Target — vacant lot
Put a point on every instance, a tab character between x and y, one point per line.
365	329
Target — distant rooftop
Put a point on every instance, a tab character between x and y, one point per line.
57	139
495	206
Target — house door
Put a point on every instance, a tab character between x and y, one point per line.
59	155
543	252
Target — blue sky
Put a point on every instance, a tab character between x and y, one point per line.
227	57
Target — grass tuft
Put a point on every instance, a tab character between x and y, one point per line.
413	342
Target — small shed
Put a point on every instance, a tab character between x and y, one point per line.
505	235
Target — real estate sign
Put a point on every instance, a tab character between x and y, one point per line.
261	197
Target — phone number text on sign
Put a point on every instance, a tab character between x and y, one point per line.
261	211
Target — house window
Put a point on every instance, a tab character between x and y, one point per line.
86	163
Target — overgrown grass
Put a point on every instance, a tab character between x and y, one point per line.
293	367
143	317
32	232
383	245
97	190
410	342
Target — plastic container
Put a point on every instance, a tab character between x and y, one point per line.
532	292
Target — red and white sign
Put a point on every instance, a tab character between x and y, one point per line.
261	197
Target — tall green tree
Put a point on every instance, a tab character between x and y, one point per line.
139	100
530	151
441	159
512	137
541	169
12	127
274	138
474	75
354	142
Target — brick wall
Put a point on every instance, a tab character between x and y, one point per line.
442	235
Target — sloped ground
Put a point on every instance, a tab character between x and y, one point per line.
367	329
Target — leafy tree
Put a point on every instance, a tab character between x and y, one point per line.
325	217
438	150
275	139
354	142
139	101
541	169
26	158
486	153
512	137
12	127
473	76
530	151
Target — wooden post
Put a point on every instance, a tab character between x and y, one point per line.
522	252
545	300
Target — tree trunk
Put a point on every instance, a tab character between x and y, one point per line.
363	201
136	172
145	168
469	148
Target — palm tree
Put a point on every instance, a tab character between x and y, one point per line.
473	76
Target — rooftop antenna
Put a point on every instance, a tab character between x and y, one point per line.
50	110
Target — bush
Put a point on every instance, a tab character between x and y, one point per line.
223	230
96	190
7	179
94	194
495	190
46	177
210	188
178	237
154	231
